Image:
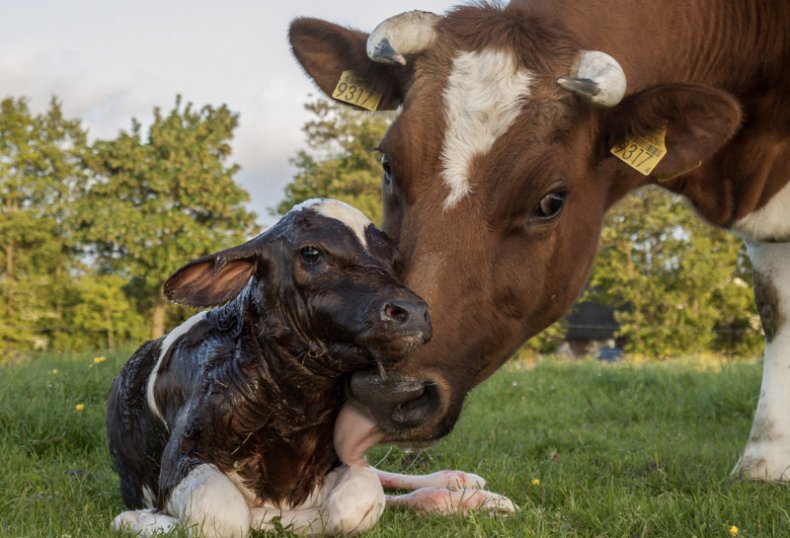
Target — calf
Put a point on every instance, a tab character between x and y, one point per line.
227	422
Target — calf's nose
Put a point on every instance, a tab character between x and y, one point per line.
407	315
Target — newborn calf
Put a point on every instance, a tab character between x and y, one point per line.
227	422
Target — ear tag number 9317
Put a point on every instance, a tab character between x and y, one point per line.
353	90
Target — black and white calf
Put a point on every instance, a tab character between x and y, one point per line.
230	420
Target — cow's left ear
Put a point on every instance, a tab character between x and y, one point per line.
698	120
326	51
217	278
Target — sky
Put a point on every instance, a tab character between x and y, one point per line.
109	61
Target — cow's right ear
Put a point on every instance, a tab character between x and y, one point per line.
217	278
327	50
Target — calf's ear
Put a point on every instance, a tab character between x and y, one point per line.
698	120
215	279
326	51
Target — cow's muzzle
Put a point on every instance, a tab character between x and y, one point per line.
409	410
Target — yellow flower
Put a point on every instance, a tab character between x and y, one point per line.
53	372
733	531
98	360
535	481
80	407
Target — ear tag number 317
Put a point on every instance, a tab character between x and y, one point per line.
643	153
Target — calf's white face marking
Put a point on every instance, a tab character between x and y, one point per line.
352	217
168	341
483	97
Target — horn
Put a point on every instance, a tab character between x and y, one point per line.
598	79
408	33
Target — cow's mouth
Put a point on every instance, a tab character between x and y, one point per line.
407	410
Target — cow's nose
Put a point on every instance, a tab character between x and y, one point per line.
407	315
397	402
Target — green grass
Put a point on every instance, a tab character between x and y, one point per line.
621	450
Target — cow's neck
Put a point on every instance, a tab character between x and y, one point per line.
722	44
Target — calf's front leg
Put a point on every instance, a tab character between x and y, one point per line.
351	501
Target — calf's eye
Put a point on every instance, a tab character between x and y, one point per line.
310	255
549	206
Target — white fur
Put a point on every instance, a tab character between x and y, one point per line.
208	499
148	497
352	217
168	341
767	454
770	222
483	97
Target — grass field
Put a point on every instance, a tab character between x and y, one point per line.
619	450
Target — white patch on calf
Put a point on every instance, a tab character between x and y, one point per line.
767	453
352	217
483	97
209	499
168	341
770	222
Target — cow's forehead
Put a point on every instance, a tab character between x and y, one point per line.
485	92
354	219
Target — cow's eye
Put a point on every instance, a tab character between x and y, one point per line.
310	255
385	165
549	206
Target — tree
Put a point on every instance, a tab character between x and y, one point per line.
42	174
342	161
162	199
678	283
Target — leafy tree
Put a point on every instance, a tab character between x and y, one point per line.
342	161
41	176
678	283
165	197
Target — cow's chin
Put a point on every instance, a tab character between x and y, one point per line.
409	412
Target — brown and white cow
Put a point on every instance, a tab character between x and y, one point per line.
498	170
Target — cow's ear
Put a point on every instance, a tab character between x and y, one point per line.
327	50
698	121
217	278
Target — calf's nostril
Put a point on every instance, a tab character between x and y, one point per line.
395	312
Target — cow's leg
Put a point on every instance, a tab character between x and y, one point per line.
454	480
208	500
767	453
351	502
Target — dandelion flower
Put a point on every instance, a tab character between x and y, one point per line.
99	360
53	372
80	407
535	481
733	531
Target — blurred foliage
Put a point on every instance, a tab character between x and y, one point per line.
88	232
341	160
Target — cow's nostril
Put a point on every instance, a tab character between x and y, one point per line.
395	313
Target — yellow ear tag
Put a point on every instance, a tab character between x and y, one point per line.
643	153
355	91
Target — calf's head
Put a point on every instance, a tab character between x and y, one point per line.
320	283
496	177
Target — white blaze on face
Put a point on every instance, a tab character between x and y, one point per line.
352	217
483	97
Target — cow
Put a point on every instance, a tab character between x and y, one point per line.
230	420
518	126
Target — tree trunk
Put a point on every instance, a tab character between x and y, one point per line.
9	278
158	319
